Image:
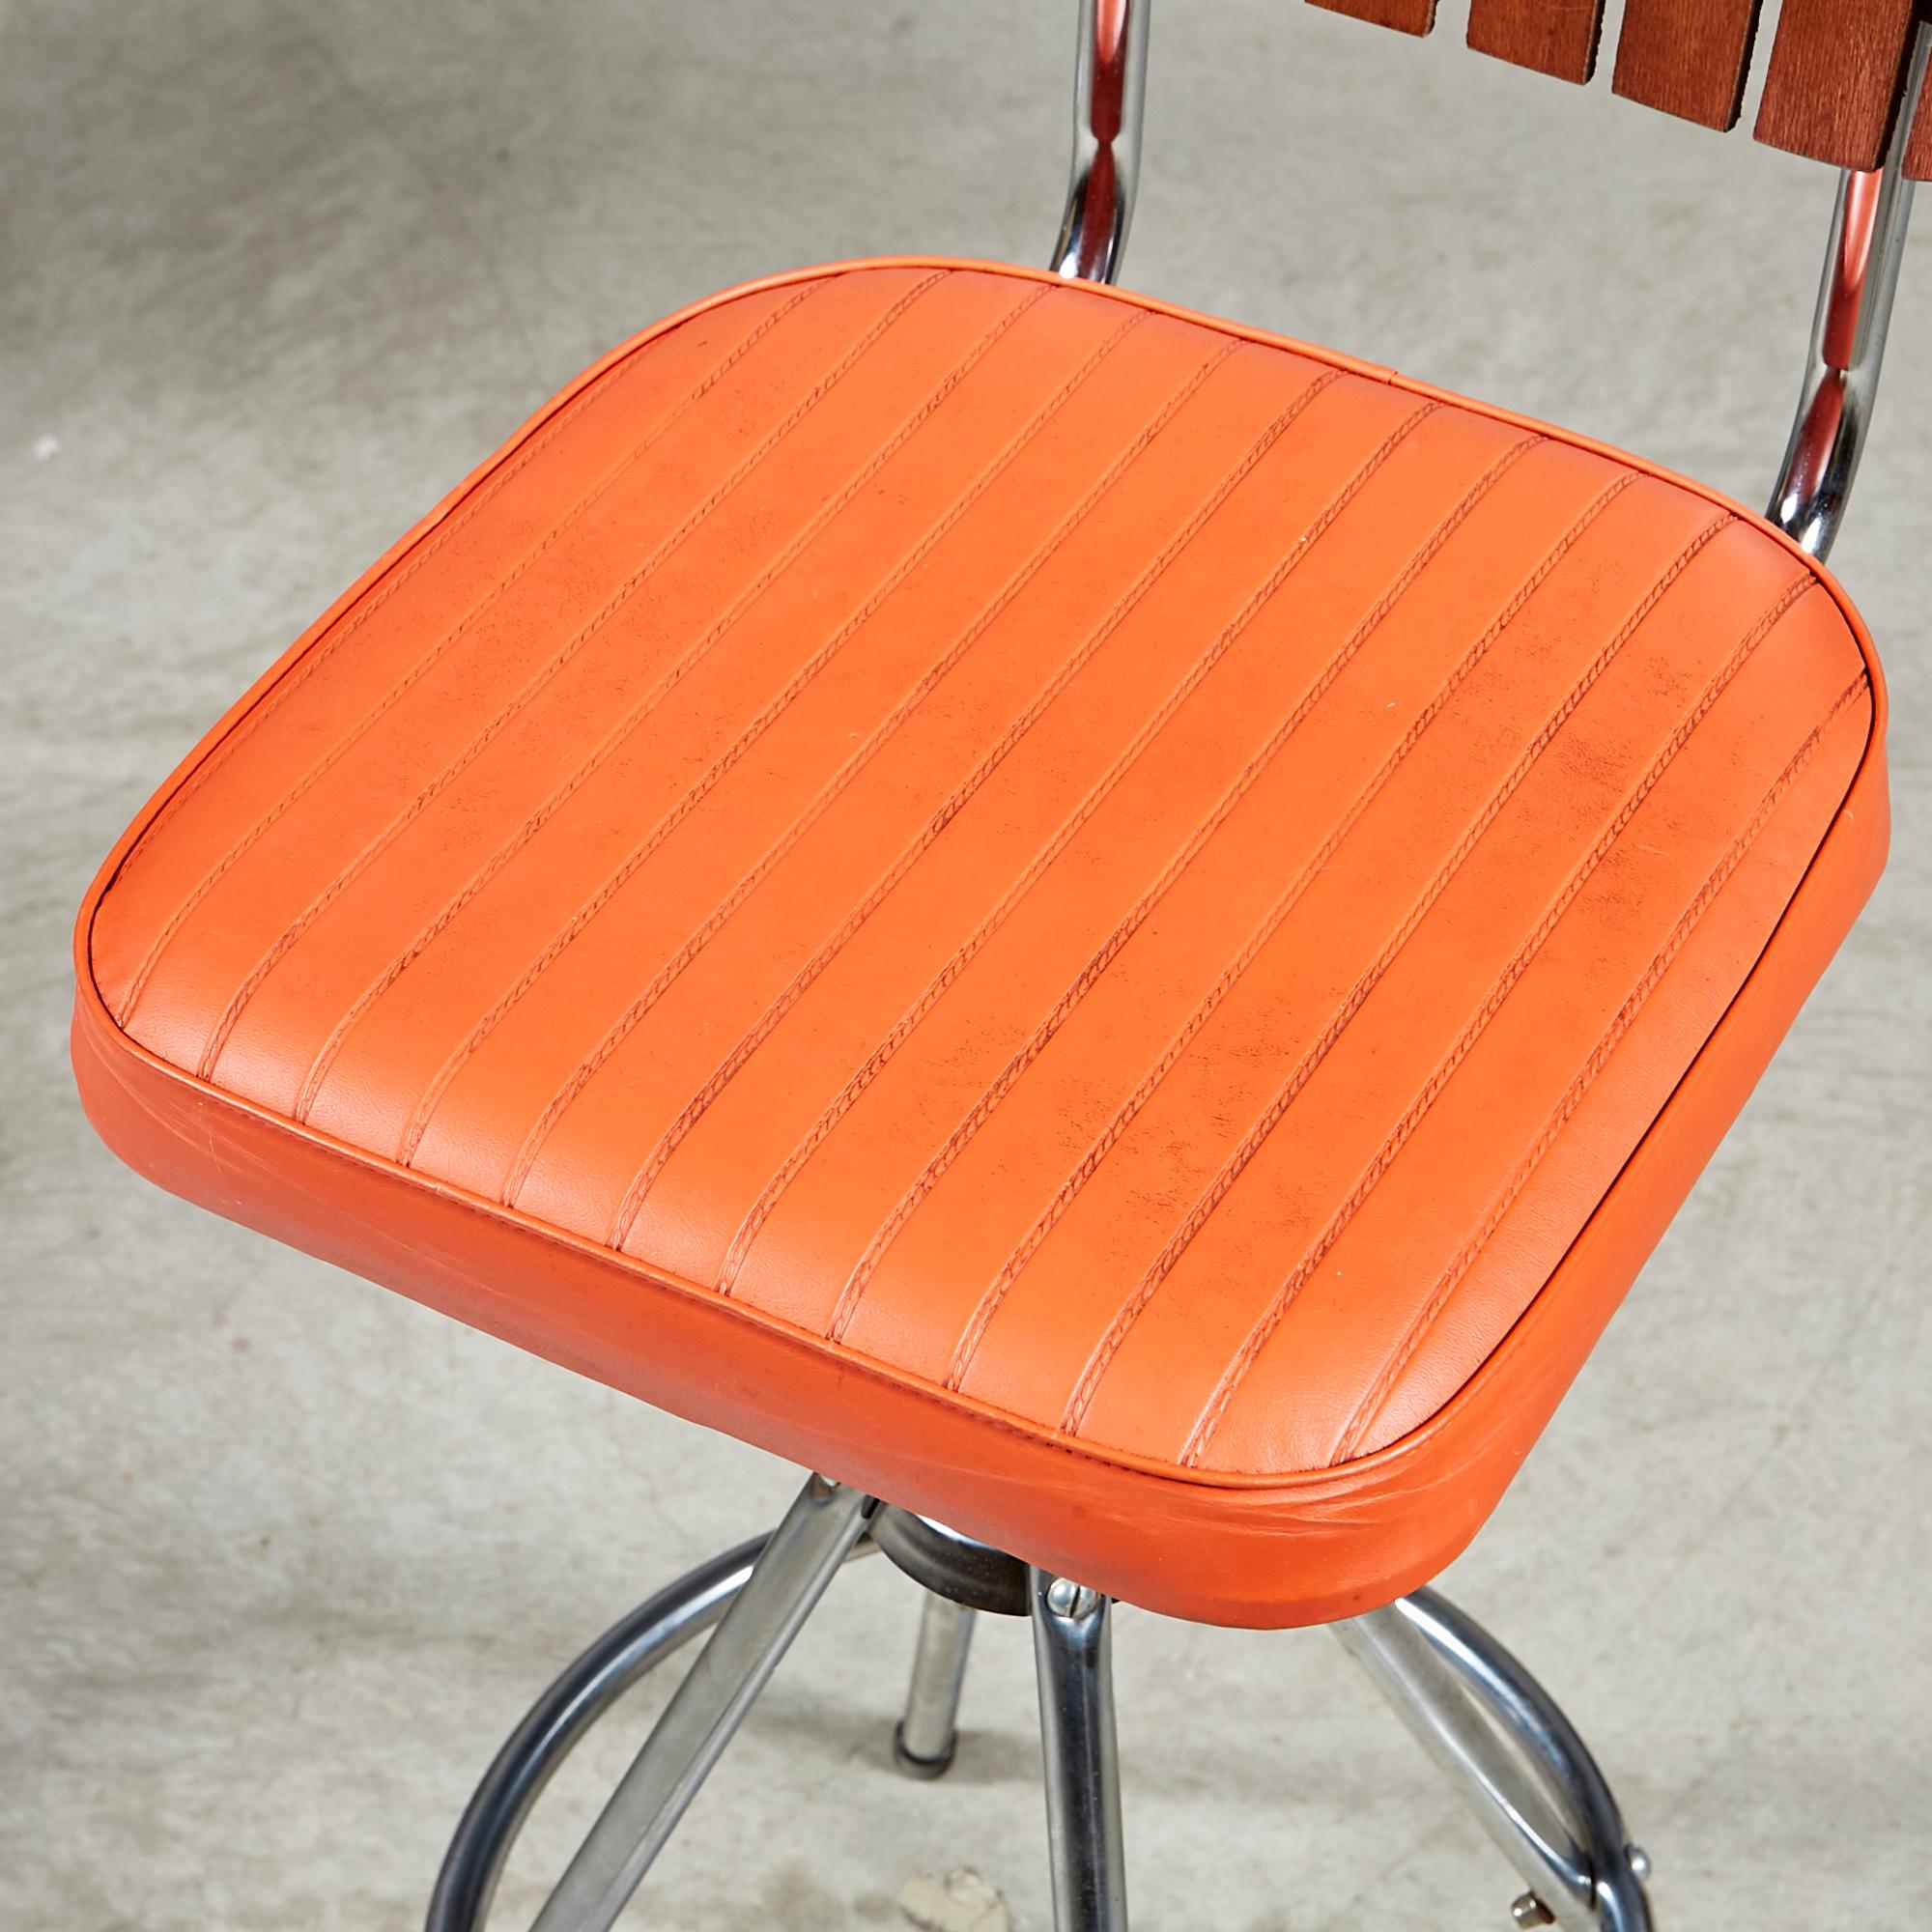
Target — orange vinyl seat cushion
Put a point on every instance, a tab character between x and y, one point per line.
1122	931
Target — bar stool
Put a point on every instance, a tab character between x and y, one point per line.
1116	933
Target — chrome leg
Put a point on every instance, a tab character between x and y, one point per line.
790	1574
1514	1758
1072	1652
925	1738
1512	1754
559	1718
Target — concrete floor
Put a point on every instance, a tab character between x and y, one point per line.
282	1555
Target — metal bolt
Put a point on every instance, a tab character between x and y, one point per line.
1529	1910
1065	1598
1639	1861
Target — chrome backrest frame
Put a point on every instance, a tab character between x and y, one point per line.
1865	245
1109	103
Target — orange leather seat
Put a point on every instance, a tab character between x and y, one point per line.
1120	931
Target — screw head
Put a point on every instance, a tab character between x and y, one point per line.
1639	1861
1529	1910
1065	1598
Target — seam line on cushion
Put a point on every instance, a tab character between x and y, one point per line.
1324	1041
956	803
1372	1404
1505	983
1036	1043
625	727
541	678
668	822
313	659
1268	924
847	772
862	1076
1261	936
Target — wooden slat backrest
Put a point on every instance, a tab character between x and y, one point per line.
1832	83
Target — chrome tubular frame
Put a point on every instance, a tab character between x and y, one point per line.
792	1572
1073	1647
925	1738
1848	329
1494	1728
1109	93
1513	1756
757	1595
558	1720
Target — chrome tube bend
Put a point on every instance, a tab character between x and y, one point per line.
1865	245
1514	1757
1109	93
559	1718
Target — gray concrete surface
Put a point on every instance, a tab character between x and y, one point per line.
283	1555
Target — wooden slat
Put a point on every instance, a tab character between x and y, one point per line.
1406	17
1833	80
1556	37
1831	91
1686	57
